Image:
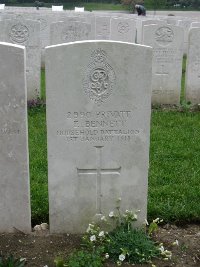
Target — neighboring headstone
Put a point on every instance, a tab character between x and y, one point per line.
27	33
140	23
14	172
98	120
2	6
61	32
123	29
102	28
185	24
79	9
193	67
167	43
195	24
57	8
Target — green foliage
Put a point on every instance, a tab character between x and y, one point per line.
83	258
130	3
124	243
134	244
59	262
155	4
174	177
11	262
38	164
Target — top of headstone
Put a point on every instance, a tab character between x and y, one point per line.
79	9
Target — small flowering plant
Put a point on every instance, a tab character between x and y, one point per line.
122	243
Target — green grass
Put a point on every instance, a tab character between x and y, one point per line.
88	6
38	164
183	80
174	174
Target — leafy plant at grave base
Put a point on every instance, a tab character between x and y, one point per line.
11	262
185	105
124	243
82	258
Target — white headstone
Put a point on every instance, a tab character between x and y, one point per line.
193	67
61	32
185	23
79	9
14	172
2	6
57	8
102	28
27	33
98	121
123	29
167	43
140	23
195	24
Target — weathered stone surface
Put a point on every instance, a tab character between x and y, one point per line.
123	29
193	67
102	31
62	32
186	24
140	23
27	33
98	118
167	43
14	172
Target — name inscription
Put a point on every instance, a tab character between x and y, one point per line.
98	126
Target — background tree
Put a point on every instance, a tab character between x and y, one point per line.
156	4
131	4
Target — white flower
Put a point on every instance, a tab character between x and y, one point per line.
107	256
111	214
93	238
156	220
122	257
135	216
168	254
175	243
146	222
161	248
101	233
90	226
103	218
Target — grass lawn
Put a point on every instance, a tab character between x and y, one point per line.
174	175
88	6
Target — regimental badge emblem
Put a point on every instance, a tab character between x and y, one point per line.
100	78
164	36
19	33
123	27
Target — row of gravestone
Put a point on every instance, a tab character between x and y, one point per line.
98	124
166	39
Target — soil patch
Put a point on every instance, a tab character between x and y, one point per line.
41	249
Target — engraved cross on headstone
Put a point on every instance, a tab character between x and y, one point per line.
99	171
